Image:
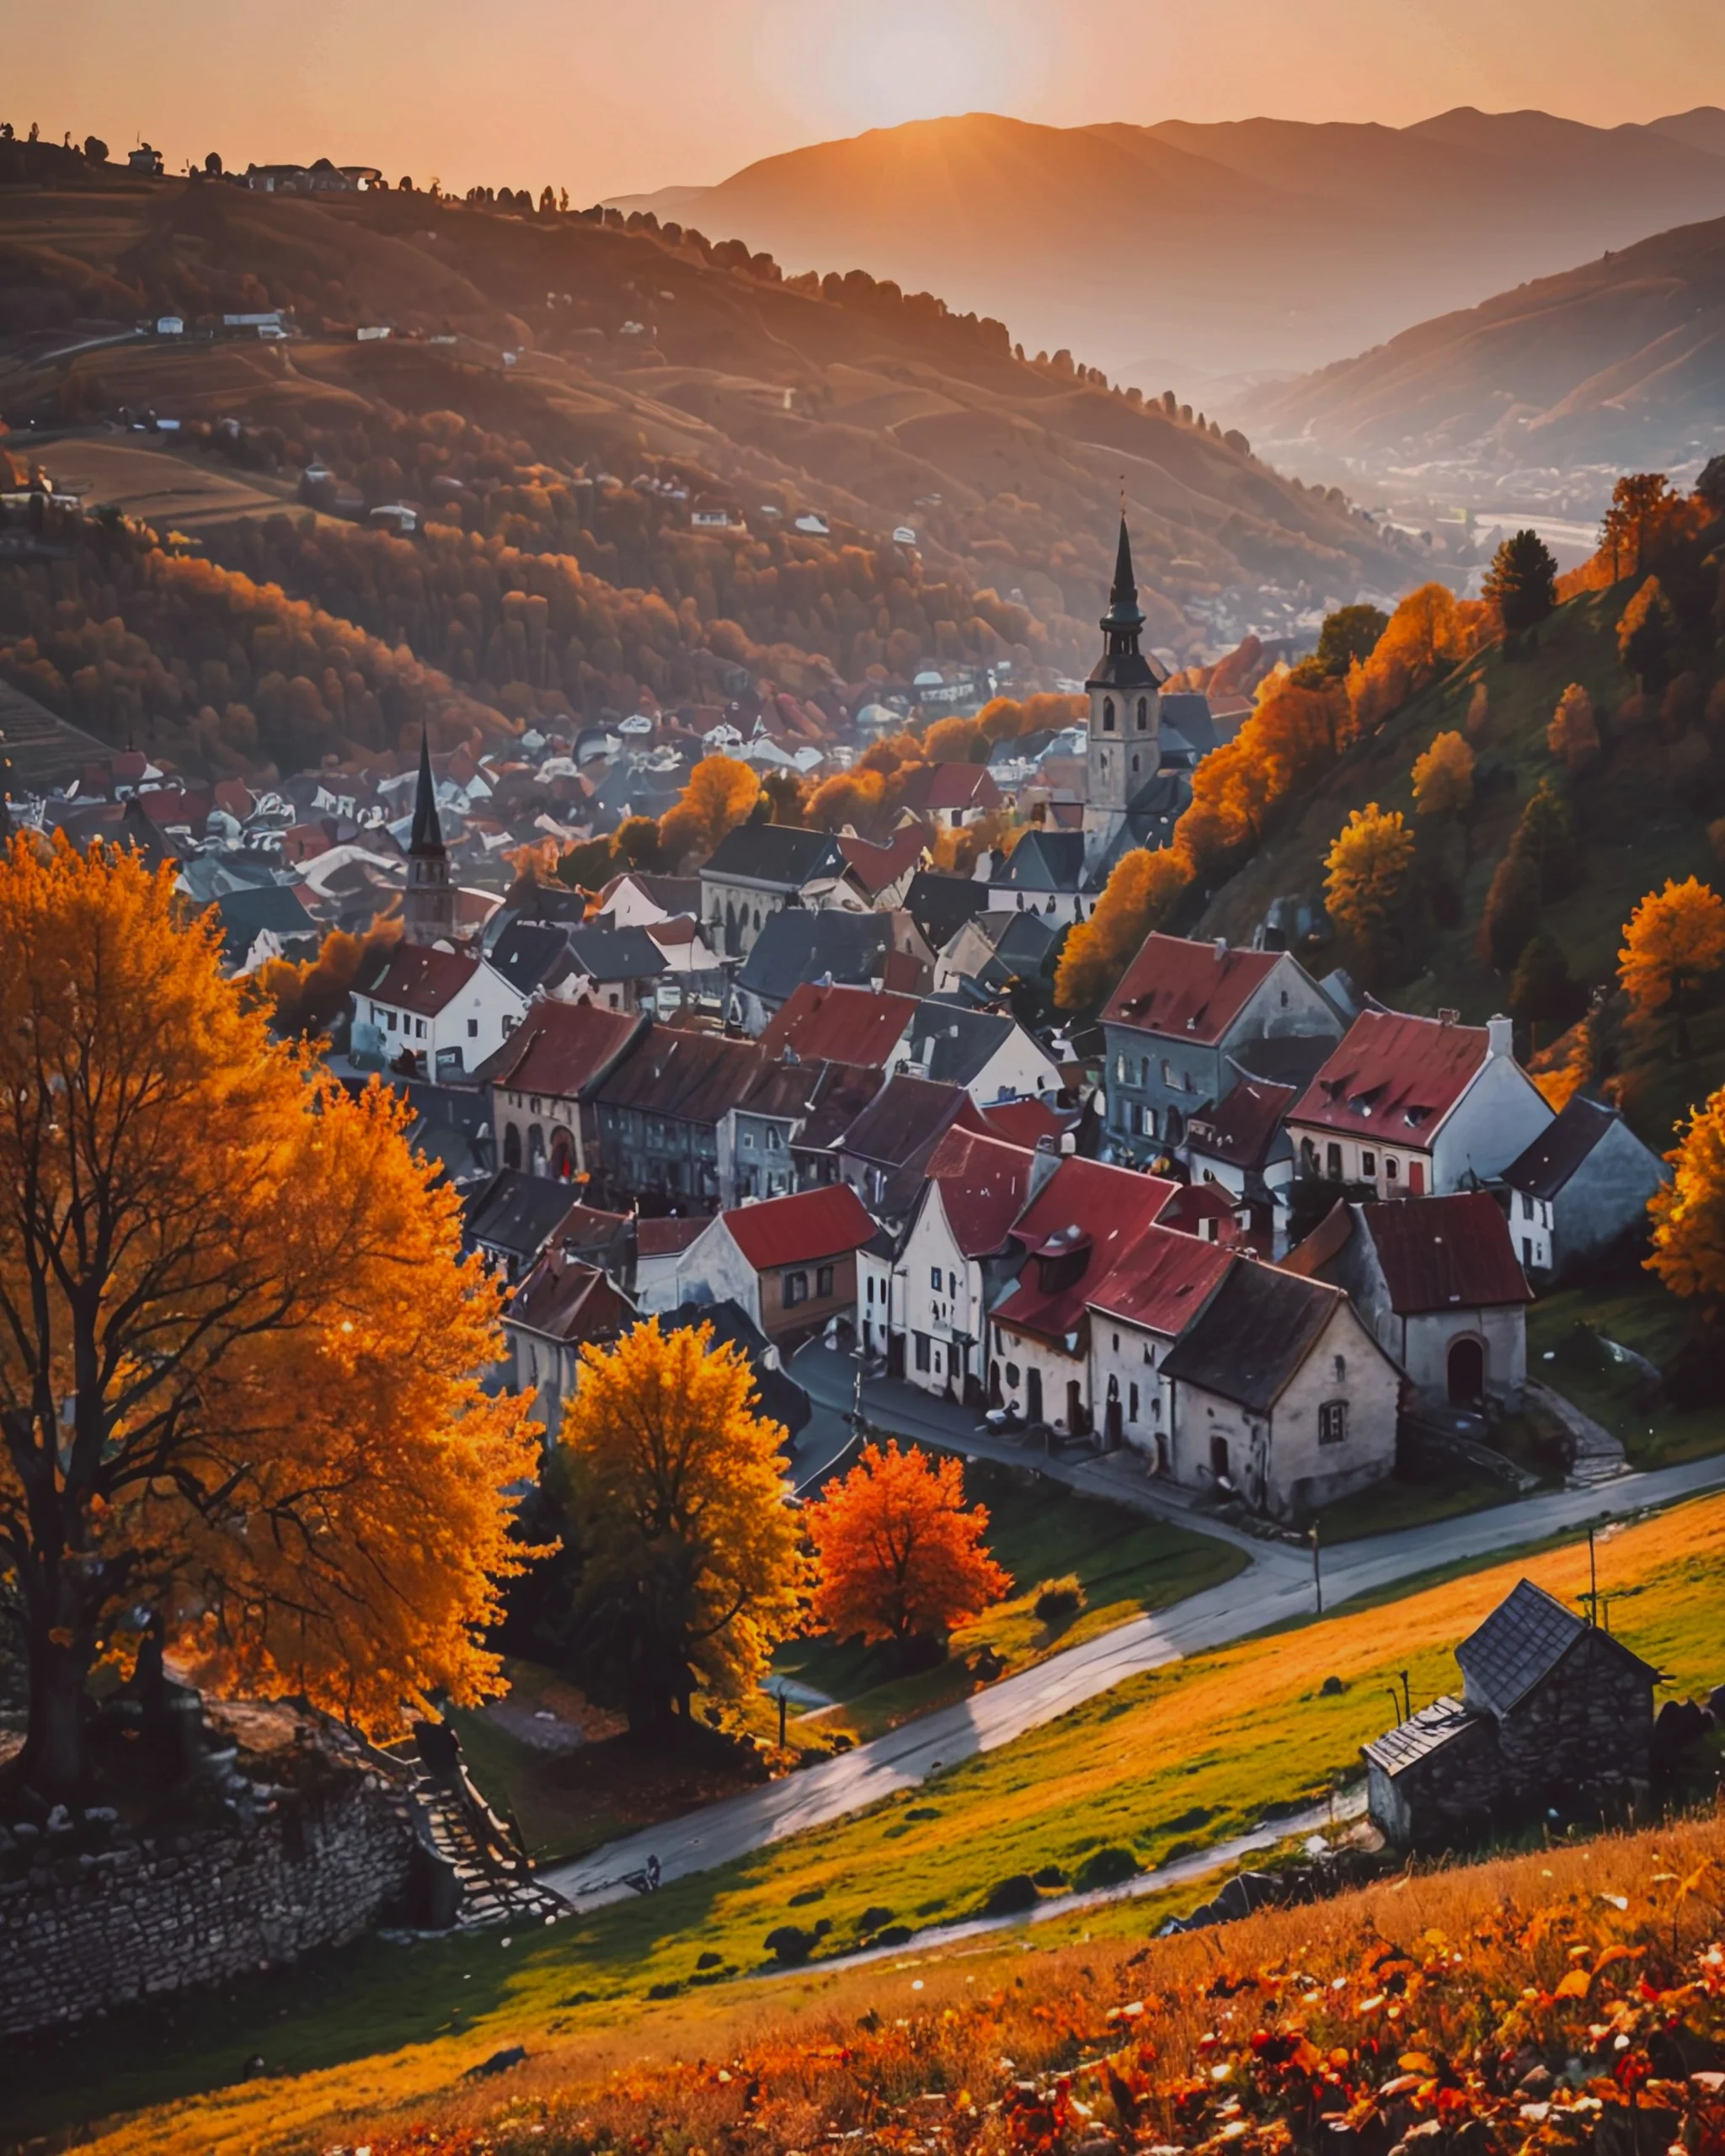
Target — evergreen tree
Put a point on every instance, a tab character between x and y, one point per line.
1522	582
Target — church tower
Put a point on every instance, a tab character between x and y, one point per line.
428	909
1124	747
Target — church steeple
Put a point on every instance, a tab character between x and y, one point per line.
1124	748
1124	622
428	907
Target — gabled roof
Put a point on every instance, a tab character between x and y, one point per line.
1429	1731
666	1237
1522	1642
899	1129
779	856
1394	1076
1164	1281
983	1184
560	1049
419	977
940	904
928	787
1083	1205
616	954
797	946
874	866
675	894
1243	1128
1254	1335
1024	1122
565	1298
1544	1168
953	1044
530	954
693	1077
841	1094
1445	1253
796	1231
840	1024
516	1211
1044	860
1185	990
245	915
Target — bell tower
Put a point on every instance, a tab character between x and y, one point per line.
428	907
1124	746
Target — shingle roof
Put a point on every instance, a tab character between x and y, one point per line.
1023	1123
516	1211
694	1077
1444	1253
874	866
840	1024
954	1045
530	953
1545	1166
1522	1642
899	1129
416	977
1164	1281
675	893
948	786
1083	1205
940	904
245	915
616	954
1044	860
1186	990
983	1184
1428	1732
780	855
567	1300
797	1229
665	1237
797	946
560	1048
1253	1335
1394	1076
1244	1126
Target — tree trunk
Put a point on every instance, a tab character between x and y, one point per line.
55	1760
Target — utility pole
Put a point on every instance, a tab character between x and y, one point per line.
1406	1696
1592	1578
1317	1569
782	1697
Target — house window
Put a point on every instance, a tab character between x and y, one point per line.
748	1141
1115	1337
1107	714
1368	1166
1131	1403
823	1280
796	1285
1150	1122
1012	1375
868	1289
934	1277
1119	1069
1340	1368
1392	1169
1527	1250
1333	1423
473	1029
775	1139
1333	1162
952	1284
920	1342
392	1021
1142	714
1526	1207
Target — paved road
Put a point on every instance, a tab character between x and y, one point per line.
1276	1584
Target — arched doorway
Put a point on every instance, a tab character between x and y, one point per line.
535	1150
1033	1395
1466	1372
1219	1458
1077	1421
511	1146
563	1161
1113	1425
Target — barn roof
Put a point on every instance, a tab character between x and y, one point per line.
1412	1741
1522	1642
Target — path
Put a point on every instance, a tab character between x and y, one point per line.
1275	1585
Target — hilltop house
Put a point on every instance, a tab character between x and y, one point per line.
1178	1028
436	1012
759	869
1553	1711
1415	1107
541	1083
790	1262
1437	1280
1578	1195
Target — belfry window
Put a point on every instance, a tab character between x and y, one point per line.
1107	714
1144	714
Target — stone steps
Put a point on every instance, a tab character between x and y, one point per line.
497	1884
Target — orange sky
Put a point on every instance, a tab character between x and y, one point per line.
606	98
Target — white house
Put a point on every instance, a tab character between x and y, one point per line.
947	1267
447	1010
1578	1197
1136	1315
991	1056
1416	1106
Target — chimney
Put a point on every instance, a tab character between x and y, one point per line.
1448	1018
1222	949
877	982
1500	1036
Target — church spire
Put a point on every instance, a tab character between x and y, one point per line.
428	829
1124	622
429	904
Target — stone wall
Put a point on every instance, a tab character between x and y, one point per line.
82	1927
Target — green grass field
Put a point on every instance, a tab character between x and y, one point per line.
1172	1760
1571	1329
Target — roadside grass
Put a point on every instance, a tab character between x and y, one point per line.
1176	1759
1569	1328
1038	1530
1391	1506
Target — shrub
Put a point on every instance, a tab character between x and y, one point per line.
1058	1599
808	1894
1050	1875
790	1945
1011	1897
1107	1866
873	1917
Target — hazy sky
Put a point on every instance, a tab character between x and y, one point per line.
604	99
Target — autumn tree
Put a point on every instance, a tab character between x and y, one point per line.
1350	633
1645	635
1545	836
239	1348
1139	894
899	1555
1442	777
1542	991
1675	940
304	996
1645	512
721	793
1368	868
676	1497
1511	911
1574	735
1688	1213
1522	582
1479	710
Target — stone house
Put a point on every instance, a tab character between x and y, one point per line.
657	1113
1553	1711
953	1258
542	1081
1176	1027
1437	1280
1416	1106
1045	873
790	1263
758	870
561	1305
1578	1195
1136	1315
989	1054
883	1154
1279	1392
438	1013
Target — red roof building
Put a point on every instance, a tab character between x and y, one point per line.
790	1262
838	1024
952	794
542	1080
1187	990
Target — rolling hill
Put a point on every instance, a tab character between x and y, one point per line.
1193	254
1620	362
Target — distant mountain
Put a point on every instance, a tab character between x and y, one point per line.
1620	362
1181	254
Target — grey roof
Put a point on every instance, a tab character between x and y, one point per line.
245	914
616	954
955	1044
530	954
1521	1643
1253	1335
1547	1164
782	1399
1430	1730
796	946
1044	860
516	1211
940	904
1187	711
781	856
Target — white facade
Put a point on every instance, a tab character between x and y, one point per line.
876	1320
1019	1069
475	1022
943	1298
1125	1364
1530	1229
1493	1122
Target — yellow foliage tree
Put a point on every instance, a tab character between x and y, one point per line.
1137	897
1688	1213
1574	735
1674	940
1442	777
721	793
1367	868
239	1344
693	1567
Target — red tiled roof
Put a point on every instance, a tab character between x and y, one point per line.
984	1183
1021	1123
416	977
1164	1281
665	1238
1444	1253
1082	1204
796	1231
1394	1077
1241	1128
671	1070
840	1025
1196	1203
1186	990
560	1048
566	1299
948	785
875	867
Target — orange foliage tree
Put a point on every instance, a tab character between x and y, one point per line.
721	793
899	1556
1674	940
303	995
1139	894
1442	777
1574	735
692	1570
1367	866
1688	1213
238	1343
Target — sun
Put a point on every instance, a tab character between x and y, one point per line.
880	64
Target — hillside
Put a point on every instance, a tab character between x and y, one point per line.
540	366
1619	363
1194	254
